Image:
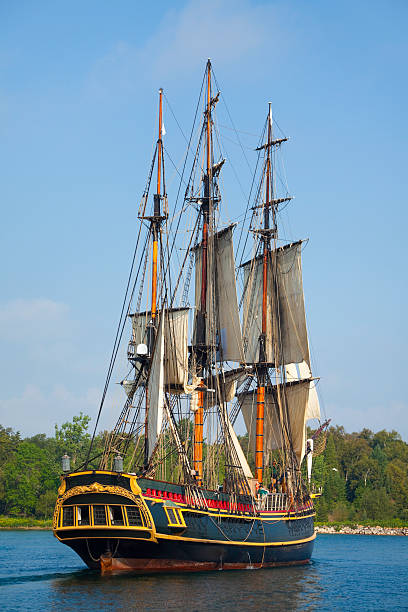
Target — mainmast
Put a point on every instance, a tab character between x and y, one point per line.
202	353
155	224
262	368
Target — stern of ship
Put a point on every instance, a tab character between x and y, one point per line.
98	513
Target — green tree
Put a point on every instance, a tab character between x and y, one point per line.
9	442
397	484
373	504
73	438
45	504
27	475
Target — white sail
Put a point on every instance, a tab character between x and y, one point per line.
176	348
291	372
287	300
297	399
139	324
313	405
304	370
220	389
221	298
175	332
238	449
155	390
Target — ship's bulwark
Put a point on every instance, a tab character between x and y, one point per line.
146	532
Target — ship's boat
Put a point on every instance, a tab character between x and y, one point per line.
175	488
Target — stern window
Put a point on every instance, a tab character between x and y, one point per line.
134	516
68	517
99	515
83	515
115	515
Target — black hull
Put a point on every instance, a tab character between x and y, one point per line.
112	555
174	535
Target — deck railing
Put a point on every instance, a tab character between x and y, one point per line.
274	502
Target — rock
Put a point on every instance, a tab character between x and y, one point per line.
363	530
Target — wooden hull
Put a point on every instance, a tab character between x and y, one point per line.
171	556
173	536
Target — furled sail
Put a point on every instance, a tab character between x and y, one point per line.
175	333
297	394
286	300
221	298
129	386
155	390
140	321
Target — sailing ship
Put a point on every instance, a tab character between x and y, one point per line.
175	488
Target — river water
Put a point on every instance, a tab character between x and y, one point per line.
347	573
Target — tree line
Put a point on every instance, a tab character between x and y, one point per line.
30	467
363	476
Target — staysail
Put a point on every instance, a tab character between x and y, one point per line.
284	299
155	391
222	300
297	394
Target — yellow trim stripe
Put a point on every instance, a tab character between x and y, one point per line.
164	536
151	539
133	527
241	543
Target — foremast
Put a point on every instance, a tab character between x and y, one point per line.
155	226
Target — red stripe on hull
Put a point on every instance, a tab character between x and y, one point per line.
109	565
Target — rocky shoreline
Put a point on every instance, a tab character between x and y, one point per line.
363	530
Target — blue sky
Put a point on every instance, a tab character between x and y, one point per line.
78	102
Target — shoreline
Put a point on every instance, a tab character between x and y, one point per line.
362	530
25	528
319	529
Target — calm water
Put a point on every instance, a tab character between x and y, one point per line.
347	573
